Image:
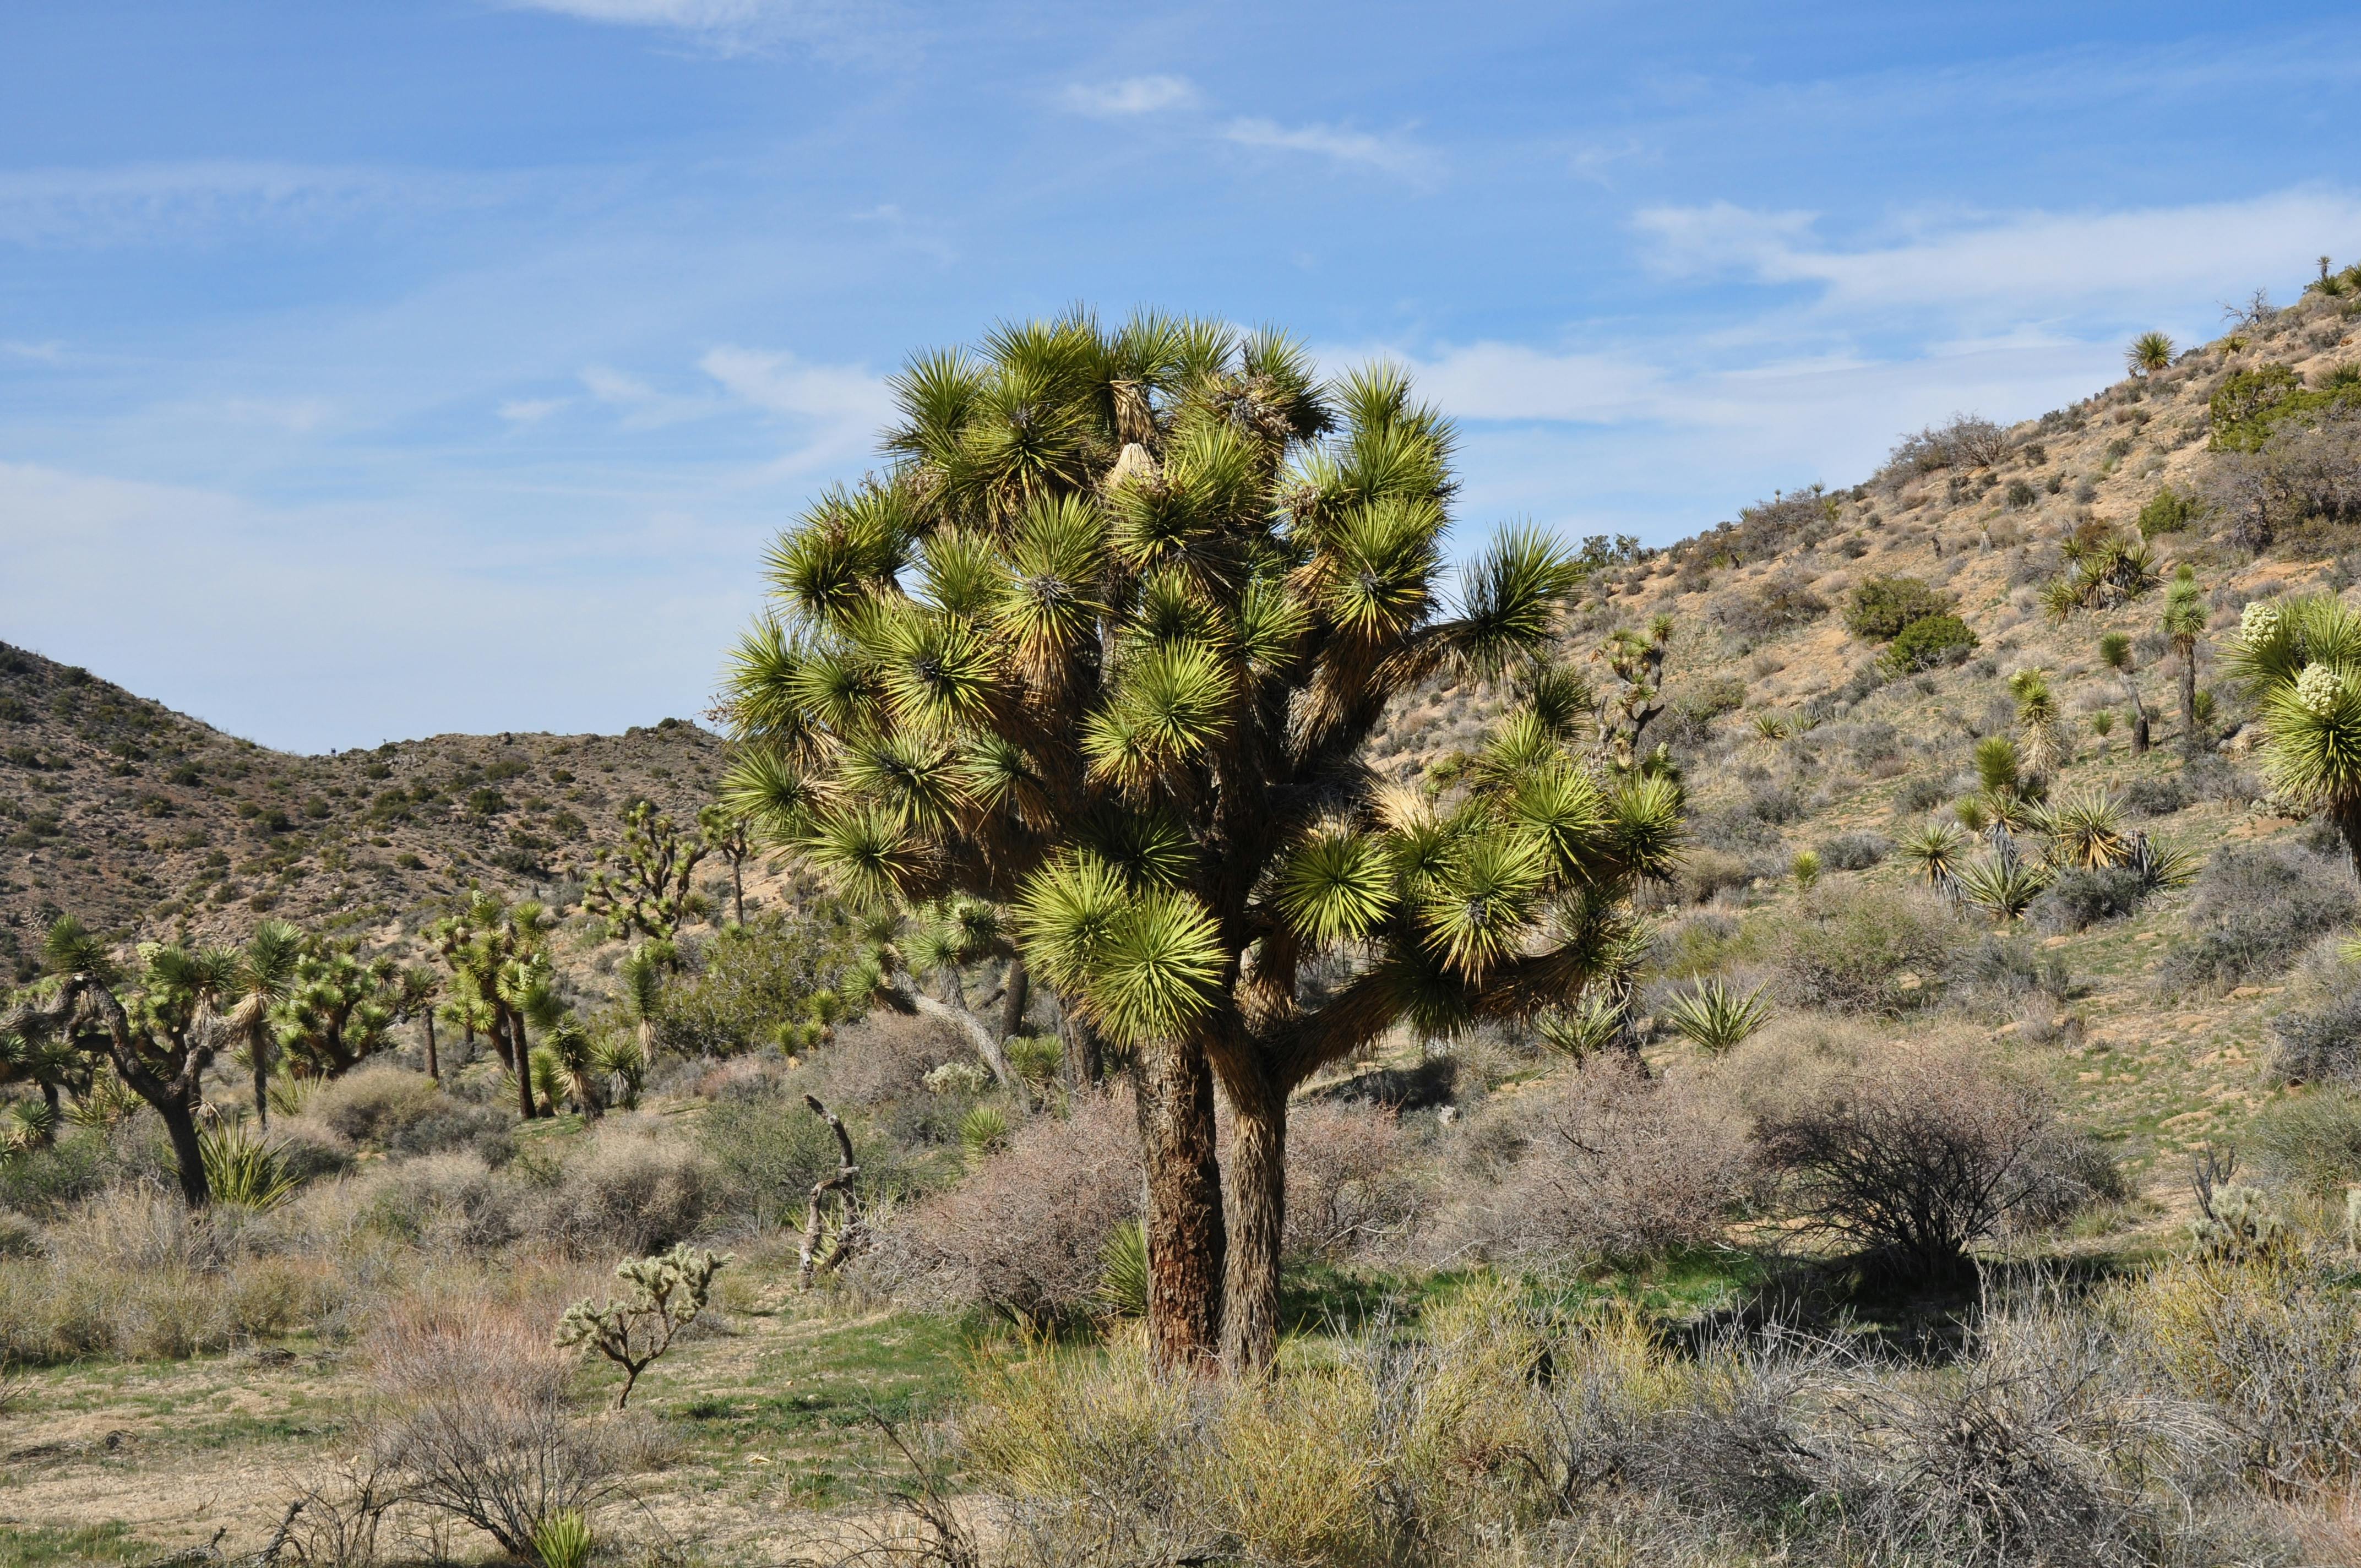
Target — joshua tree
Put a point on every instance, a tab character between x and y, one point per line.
726	832
159	1039
260	987
495	951
2115	653
414	996
2149	352
649	889
2301	661
668	1293
641	977
336	1010
1103	648
2184	623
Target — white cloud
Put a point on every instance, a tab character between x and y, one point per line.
1132	95
2039	263
531	411
1516	382
1396	155
732	26
836	410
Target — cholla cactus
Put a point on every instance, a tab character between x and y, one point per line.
957	1078
2239	1227
2258	622
668	1291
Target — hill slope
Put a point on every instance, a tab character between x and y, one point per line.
147	822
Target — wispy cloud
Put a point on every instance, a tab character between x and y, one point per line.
2039	263
732	26
838	409
144	202
531	411
1396	154
1132	95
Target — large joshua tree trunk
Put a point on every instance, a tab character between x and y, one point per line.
1257	1219
433	1062
522	1054
180	1123
1085	1053
1016	991
1186	1241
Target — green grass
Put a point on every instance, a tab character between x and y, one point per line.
33	1547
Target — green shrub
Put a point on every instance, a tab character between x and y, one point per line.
1883	607
1931	640
2169	511
1857	949
751	979
2312	1142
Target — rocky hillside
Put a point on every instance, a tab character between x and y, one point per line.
144	822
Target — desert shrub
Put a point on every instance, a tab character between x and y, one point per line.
1705	872
886	1055
2271	1342
1920	1155
2076	899
1776	802
2312	1142
1785	601
1023	1236
444	1203
2169	511
1920	796
471	1416
2255	907
2319	1038
1855	851
626	1191
1880	607
1964	441
1929	641
766	1153
1602	1163
1860	950
81	1163
750	979
1352	1178
2159	797
374	1104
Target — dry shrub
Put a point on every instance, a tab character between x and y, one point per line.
1920	1153
1352	1181
1504	1433
1022	1236
1865	949
471	1418
884	1055
443	1203
1603	1163
630	1191
373	1104
2272	1342
1705	872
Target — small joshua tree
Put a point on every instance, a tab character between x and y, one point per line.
668	1293
649	891
2115	653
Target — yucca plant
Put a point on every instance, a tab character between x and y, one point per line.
2148	353
1936	850
2004	885
1597	1023
1103	648
263	982
2115	653
243	1168
1122	1290
2086	831
1772	727
564	1539
2300	661
1716	1015
2037	717
983	1132
1806	867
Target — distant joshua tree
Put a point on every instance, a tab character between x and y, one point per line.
2149	352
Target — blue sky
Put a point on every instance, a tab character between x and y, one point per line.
377	370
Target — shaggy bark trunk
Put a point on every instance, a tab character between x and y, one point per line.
2189	702
522	1055
433	1062
1014	992
968	1024
180	1123
1186	1241
1085	1056
2347	818
738	891
49	1097
258	1048
1258	1222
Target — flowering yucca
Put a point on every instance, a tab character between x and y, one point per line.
2298	663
